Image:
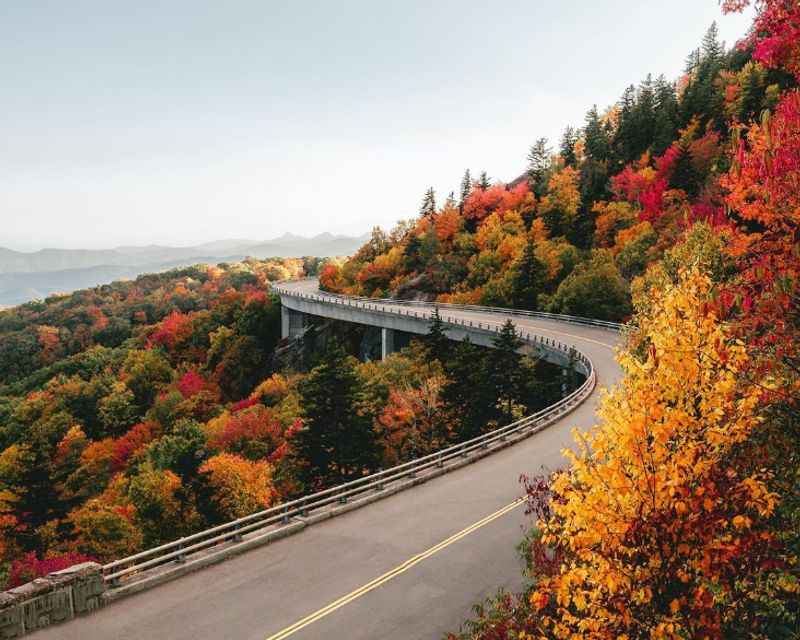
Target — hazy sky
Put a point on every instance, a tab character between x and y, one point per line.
189	120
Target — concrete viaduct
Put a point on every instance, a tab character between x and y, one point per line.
407	566
303	298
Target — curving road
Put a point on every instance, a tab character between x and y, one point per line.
409	566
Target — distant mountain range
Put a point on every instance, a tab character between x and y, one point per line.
32	275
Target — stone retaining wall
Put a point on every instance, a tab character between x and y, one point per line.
57	597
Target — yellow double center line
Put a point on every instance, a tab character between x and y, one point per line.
401	568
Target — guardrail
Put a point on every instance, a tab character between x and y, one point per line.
126	570
605	324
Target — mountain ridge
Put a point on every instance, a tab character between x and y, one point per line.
52	259
26	276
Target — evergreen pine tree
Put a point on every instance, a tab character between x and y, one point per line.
596	135
437	341
539	159
684	175
701	97
428	208
337	442
528	279
467	396
567	146
644	118
483	181
711	48
504	371
692	62
594	182
466	189
665	126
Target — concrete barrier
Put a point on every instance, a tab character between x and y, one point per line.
57	597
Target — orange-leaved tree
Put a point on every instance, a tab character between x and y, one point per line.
239	487
663	529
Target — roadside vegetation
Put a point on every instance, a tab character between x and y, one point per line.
679	515
138	412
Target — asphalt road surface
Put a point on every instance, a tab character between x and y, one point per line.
410	566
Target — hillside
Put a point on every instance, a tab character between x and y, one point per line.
678	209
588	216
139	411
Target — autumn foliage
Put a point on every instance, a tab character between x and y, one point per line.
138	412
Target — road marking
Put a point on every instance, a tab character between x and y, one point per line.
393	573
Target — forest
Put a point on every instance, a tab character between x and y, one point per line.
588	216
679	206
137	412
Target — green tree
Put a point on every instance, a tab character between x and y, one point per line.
156	496
644	117
337	442
504	372
262	320
594	289
181	451
147	371
428	208
466	189
684	175
528	279
19	355
437	342
567	146
665	126
598	145
468	398
117	410
701	98
539	160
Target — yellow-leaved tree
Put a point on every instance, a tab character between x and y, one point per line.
660	524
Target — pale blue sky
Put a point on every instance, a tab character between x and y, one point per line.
186	121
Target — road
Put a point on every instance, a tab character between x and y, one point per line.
410	566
